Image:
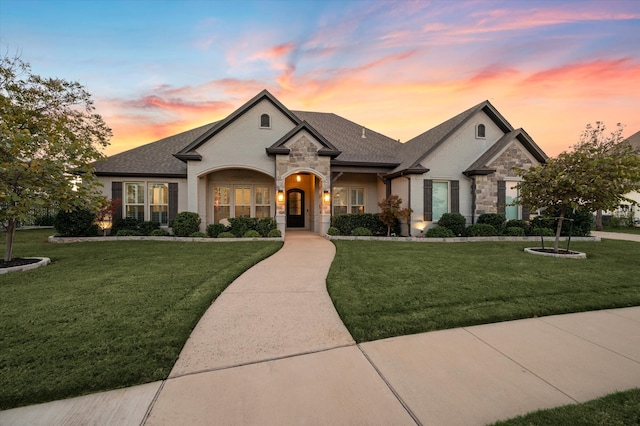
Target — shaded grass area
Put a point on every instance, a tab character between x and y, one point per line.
624	230
618	409
106	315
383	289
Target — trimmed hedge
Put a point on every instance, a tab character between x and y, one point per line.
238	226
493	219
215	229
439	232
514	231
455	222
482	230
333	231
251	234
226	234
76	223
361	232
185	224
346	223
274	233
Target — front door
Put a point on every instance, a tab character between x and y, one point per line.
295	208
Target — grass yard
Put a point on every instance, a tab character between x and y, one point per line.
383	289
106	315
625	230
617	409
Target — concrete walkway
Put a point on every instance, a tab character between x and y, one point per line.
271	350
616	236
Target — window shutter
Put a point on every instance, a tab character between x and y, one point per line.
173	201
455	196
116	194
428	203
502	196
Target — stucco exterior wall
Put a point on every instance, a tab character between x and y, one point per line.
371	185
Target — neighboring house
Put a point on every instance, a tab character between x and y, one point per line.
301	168
625	208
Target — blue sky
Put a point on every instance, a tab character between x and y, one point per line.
156	68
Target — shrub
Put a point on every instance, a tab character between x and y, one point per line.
493	219
128	233
185	224
520	224
198	234
215	229
482	230
240	225
159	233
582	222
333	231
547	232
346	223
76	223
439	232
251	234
361	232
453	221
274	233
265	225
129	223
226	234
515	231
146	228
46	219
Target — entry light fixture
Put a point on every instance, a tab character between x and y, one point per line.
281	196
327	196
298	178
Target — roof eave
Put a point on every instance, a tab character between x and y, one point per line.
409	171
132	174
188	156
478	172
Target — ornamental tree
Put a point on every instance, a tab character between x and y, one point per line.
597	174
49	139
391	210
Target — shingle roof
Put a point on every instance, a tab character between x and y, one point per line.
480	166
346	136
152	159
327	147
634	140
418	148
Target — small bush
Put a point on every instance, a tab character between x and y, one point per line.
159	233
226	234
518	223
215	229
453	221
265	225
129	223
514	231
439	232
146	228
240	225
185	224
128	233
546	232
274	233
251	234
346	223
361	232
198	234
46	219
482	230
493	219
76	223
333	231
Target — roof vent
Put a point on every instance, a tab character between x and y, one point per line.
363	135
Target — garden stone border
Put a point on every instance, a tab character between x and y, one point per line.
54	239
461	239
44	261
572	255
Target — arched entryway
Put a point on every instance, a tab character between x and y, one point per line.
295	208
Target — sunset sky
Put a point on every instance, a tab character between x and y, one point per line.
156	68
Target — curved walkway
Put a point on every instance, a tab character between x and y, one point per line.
272	350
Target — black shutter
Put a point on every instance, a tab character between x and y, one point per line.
427	198
116	194
455	196
502	196
173	201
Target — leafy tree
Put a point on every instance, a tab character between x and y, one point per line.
49	139
390	211
595	175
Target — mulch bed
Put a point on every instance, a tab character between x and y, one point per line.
550	250
17	262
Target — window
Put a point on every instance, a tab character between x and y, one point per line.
134	201
480	131
511	196
440	199
265	121
221	203
340	201
357	200
242	201
263	201
159	203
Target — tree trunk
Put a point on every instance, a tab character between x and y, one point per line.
599	220
11	232
558	229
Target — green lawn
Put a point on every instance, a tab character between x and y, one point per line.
618	409
625	230
106	315
384	288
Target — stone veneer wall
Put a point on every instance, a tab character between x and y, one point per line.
303	156
487	186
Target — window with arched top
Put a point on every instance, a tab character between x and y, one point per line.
480	131
265	121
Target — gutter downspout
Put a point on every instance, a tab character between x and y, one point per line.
409	204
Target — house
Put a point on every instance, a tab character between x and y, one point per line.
300	167
627	208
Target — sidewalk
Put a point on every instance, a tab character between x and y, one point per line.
272	350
